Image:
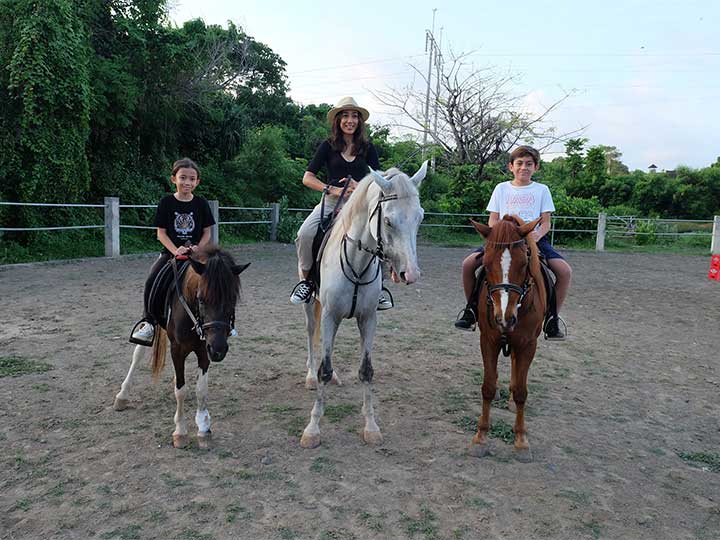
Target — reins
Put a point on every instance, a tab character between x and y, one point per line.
198	326
378	253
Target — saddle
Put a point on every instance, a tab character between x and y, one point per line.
550	293
163	291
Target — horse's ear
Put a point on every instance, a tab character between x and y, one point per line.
380	180
481	228
197	266
420	174
525	229
239	268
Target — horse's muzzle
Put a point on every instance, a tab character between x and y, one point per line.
217	354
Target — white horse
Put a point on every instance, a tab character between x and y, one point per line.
379	221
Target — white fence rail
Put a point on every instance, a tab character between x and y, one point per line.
602	226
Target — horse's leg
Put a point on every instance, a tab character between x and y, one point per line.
511	399
521	361
367	326
311	434
123	396
180	436
202	416
312	325
479	446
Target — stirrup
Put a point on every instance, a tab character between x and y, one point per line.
138	341
559	320
461	321
389	302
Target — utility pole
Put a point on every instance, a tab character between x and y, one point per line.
429	42
439	72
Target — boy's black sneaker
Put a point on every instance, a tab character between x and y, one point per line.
553	331
466	320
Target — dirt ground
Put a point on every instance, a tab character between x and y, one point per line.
620	417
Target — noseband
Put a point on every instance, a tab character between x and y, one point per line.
508	287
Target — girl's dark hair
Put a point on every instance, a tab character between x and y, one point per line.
185	163
360	140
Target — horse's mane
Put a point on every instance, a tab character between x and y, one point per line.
218	285
402	187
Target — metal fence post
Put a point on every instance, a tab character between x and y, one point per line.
274	220
112	226
715	244
601	226
215	229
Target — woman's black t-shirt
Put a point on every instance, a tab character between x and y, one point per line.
183	220
338	168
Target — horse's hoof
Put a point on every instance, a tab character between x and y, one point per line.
511	405
205	440
309	441
373	438
523	455
120	404
180	441
335	379
311	384
479	450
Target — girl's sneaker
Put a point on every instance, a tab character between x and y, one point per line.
302	292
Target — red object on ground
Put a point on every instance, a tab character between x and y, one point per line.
714	272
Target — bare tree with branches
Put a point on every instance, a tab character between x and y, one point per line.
479	118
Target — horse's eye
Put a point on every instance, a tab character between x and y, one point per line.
387	222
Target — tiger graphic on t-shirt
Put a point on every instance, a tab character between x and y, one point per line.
184	223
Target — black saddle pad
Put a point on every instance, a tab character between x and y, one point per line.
163	291
323	231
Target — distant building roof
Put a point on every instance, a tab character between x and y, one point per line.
653	166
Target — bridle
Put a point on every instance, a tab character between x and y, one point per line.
378	253
198	325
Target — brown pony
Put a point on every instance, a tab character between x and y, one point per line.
511	310
201	319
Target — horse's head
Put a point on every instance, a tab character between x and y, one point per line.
506	265
394	221
217	295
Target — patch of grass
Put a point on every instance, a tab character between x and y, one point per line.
424	524
454	401
131	532
322	465
157	516
296	426
192	534
23	504
466	423
593	528
477	376
374	522
14	366
234	511
246	474
657	451
281	410
576	498
337	534
335	413
42	387
503	431
286	533
173	482
478	502
709	460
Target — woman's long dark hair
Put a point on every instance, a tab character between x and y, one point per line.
360	140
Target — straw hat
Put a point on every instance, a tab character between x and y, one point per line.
347	104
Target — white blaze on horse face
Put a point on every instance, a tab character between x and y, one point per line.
505	263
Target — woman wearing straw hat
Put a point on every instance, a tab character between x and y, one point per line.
347	154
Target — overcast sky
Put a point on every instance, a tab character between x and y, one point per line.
645	75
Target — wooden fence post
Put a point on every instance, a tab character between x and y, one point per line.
715	244
601	226
112	226
215	229
274	220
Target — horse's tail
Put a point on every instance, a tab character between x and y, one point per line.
318	314
159	351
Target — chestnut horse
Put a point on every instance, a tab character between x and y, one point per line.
511	310
202	316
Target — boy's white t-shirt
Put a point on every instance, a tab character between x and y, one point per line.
528	202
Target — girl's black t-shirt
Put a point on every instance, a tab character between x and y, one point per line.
338	168
183	220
